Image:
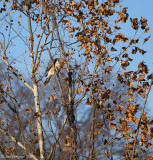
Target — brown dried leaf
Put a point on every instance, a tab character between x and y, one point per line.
143	117
7	89
64	88
112	125
141	78
146	39
72	52
52	98
108	70
29	109
144	68
130	99
124	64
143	95
147	29
109	59
119	109
89	102
147	145
143	22
150	157
47	113
43	27
135	24
38	35
130	84
55	111
96	132
136	120
113	49
99	125
37	114
80	90
124	49
66	21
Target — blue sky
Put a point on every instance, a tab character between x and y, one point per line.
138	8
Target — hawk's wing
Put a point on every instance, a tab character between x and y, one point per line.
50	66
58	63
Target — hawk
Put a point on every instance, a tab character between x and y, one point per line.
58	64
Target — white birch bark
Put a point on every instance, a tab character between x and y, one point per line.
39	122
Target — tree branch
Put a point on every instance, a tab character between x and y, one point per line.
93	125
38	54
16	73
52	151
18	143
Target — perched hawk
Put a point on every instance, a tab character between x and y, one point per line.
58	64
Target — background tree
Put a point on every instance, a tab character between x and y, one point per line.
94	107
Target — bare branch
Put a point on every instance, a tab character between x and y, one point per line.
16	73
52	151
108	143
93	125
18	143
38	54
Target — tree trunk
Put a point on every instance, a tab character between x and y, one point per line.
71	119
39	122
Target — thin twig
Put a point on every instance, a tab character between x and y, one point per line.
51	154
18	143
108	143
16	73
93	125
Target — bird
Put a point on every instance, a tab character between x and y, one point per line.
58	64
